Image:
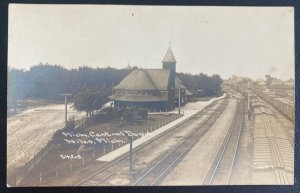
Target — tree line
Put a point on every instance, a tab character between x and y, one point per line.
201	85
45	81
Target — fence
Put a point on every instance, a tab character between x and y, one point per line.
40	177
20	174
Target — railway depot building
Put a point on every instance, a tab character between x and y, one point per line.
154	89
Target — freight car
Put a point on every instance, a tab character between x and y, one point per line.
286	107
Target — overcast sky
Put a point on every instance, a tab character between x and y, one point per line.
247	41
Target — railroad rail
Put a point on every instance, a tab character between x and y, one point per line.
222	166
157	172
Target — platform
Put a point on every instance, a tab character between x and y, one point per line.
188	113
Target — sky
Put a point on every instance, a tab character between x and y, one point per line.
245	41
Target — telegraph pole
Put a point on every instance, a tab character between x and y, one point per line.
248	99
130	161
130	151
66	109
179	100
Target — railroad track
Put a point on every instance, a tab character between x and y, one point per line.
221	168
160	169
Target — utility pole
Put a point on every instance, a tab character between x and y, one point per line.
130	152
131	161
179	100
66	109
248	101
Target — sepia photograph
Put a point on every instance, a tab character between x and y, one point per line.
140	95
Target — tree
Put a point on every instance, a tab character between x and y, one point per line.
269	80
16	86
46	81
201	84
89	99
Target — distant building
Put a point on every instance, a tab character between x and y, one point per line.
261	85
282	89
154	89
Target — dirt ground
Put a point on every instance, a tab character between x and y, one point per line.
29	131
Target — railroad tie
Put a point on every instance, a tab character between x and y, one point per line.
280	174
281	177
278	163
268	129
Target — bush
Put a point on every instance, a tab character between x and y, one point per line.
128	114
134	114
142	112
70	125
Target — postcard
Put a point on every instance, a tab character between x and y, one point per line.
127	95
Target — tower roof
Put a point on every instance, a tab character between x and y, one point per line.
169	57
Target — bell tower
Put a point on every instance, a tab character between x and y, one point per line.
169	62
